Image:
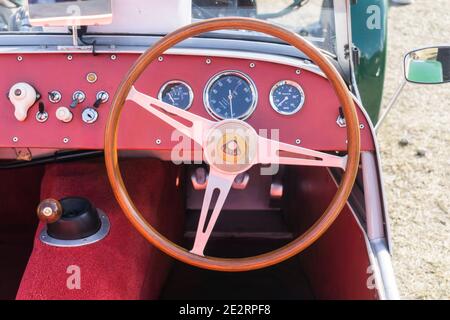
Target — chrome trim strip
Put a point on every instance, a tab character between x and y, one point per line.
383	257
372	198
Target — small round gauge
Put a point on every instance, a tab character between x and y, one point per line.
287	97
176	93
230	95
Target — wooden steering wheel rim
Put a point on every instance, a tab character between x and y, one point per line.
273	257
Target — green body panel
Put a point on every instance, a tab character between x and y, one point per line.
369	32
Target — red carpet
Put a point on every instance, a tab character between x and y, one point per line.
123	265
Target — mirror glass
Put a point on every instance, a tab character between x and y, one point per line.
428	65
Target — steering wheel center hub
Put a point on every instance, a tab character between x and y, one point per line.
231	146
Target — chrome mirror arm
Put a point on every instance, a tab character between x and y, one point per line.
391	104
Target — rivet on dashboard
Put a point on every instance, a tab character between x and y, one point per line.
70	57
15	139
158	141
19	58
66	140
298	71
362	126
208	61
92	77
160	58
252	65
298	141
113	57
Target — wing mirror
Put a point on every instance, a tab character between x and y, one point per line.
430	65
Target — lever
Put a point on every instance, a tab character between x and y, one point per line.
98	103
41	115
23	96
49	211
77	98
102	97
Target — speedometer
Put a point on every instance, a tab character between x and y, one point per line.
230	95
287	97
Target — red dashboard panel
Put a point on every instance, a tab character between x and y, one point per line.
315	125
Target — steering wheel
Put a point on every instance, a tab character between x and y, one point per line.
231	147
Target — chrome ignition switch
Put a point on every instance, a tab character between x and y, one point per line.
89	115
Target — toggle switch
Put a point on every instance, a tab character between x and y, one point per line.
64	114
23	96
41	115
103	96
54	96
77	98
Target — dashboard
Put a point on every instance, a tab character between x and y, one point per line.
72	94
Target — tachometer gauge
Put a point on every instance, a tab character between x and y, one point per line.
230	95
287	97
177	93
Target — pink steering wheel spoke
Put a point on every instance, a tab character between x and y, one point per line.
199	126
222	183
275	152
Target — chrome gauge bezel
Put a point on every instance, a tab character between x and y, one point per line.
171	82
282	83
240	74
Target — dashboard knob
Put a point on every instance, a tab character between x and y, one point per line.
22	96
64	114
49	211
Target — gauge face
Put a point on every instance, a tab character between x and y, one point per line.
230	95
287	97
177	93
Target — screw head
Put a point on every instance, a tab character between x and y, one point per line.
298	71
66	140
70	57
91	77
208	61
298	141
160	58
158	141
252	65
19	58
15	139
113	57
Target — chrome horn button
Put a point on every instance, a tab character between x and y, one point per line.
231	146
